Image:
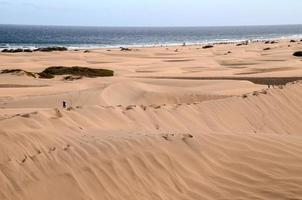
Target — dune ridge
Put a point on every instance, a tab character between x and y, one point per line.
219	149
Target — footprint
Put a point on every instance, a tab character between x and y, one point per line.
58	113
52	149
144	107
67	147
23	160
168	136
33	157
155	106
185	137
131	107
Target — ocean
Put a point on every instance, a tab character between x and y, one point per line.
21	36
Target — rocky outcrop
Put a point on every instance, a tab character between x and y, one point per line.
45	49
15	50
51	49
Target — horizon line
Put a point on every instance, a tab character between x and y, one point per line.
155	26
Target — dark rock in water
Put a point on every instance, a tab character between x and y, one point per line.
47	49
207	46
298	54
125	49
17	50
243	43
28	50
12	50
271	42
293	41
50	49
266	49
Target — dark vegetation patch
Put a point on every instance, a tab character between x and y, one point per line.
298	54
207	46
20	86
271	42
266	70
50	72
256	80
125	49
243	43
74	73
17	72
72	78
180	60
239	63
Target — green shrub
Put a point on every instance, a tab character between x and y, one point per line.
50	72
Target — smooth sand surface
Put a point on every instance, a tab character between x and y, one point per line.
169	137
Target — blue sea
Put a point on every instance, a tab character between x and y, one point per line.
14	36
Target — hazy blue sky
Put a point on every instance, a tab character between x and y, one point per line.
150	12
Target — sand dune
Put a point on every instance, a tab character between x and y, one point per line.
199	129
170	152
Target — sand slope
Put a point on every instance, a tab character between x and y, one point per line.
219	149
176	136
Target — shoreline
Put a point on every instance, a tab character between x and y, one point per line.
96	47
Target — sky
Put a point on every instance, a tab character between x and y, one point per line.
150	12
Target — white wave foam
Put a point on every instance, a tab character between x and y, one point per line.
138	45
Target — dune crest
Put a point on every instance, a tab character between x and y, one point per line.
175	151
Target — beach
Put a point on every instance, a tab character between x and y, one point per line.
174	122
